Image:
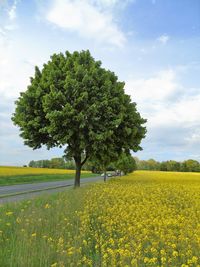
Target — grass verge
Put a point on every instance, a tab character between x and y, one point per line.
36	178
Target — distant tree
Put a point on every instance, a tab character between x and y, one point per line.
103	160
74	102
150	164
97	167
57	163
31	163
163	166
142	165
70	165
172	165
46	163
126	163
39	163
87	166
190	165
137	162
153	164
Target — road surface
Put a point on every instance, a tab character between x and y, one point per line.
23	191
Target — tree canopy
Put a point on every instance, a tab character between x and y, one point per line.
125	163
73	102
189	165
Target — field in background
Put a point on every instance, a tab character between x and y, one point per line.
11	171
16	175
144	219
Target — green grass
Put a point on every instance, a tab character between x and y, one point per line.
36	178
17	229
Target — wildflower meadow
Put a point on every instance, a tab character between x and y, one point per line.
143	219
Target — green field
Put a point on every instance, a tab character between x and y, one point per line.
18	175
143	219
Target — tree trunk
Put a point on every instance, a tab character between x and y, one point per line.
105	175
79	165
78	173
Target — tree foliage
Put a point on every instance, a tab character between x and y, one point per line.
73	102
54	163
126	163
189	165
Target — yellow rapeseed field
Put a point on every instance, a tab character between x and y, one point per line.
11	171
143	219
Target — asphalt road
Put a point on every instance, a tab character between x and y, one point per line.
23	191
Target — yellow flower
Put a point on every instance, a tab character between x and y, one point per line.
47	206
175	253
18	220
146	260
193	260
84	242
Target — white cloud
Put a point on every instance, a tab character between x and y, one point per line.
105	3
165	102
163	39
14	73
87	20
159	87
2	32
12	10
11	27
172	112
9	23
194	139
111	3
183	113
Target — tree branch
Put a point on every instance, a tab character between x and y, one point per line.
83	162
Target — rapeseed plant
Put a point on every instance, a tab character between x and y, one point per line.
144	219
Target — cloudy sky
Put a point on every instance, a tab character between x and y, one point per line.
152	45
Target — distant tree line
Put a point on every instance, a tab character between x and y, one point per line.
189	165
54	163
125	164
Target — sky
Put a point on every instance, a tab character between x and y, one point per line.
151	45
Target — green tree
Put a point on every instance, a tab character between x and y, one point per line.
57	163
46	163
190	165
153	164
70	165
150	164
31	163
105	156
126	163
163	166
173	165
75	103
